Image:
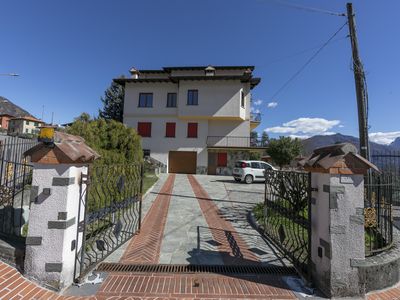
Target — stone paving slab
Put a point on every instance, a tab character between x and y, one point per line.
235	201
186	233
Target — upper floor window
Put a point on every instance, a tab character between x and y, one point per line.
146	100
242	98
36	124
144	129
171	99
192	130
193	97
27	122
170	129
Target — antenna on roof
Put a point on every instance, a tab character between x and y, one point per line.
52	117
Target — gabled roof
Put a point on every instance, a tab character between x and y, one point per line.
28	118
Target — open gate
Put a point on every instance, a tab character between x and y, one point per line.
111	197
287	211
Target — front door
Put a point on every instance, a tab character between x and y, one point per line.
212	163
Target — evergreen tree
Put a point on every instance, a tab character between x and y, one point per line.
284	150
113	103
264	138
116	143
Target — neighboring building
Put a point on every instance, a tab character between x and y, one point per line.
193	119
4	119
24	125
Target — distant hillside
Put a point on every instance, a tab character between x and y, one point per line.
396	144
324	140
7	107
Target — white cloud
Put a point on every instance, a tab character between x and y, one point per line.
272	104
305	127
258	102
384	137
341	126
255	110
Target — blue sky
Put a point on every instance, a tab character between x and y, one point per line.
67	53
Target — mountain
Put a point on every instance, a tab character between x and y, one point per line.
9	108
396	144
318	141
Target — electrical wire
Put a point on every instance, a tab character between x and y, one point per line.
307	63
307	8
298	53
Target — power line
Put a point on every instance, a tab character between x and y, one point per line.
307	62
283	58
307	8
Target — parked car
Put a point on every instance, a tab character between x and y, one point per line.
250	170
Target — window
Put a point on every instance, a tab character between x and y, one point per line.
171	99
170	130
266	166
242	98
192	130
26	130
222	159
146	100
27	122
144	129
255	165
193	97
36	124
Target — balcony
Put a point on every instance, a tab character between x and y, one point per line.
255	120
234	142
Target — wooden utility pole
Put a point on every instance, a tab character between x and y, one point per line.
359	78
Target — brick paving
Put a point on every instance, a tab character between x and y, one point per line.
233	248
389	294
145	246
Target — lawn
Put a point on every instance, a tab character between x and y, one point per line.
148	180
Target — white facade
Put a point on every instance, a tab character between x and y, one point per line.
219	113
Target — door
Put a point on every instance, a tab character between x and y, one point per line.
182	162
212	163
257	170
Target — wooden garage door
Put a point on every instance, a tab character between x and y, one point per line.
182	162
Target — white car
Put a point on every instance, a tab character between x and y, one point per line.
250	170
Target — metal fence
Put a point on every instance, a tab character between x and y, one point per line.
112	212
387	161
15	185
379	192
287	212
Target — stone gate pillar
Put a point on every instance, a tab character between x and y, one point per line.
56	192
337	218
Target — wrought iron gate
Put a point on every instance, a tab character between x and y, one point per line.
111	195
287	213
15	185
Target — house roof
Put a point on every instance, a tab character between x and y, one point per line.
28	118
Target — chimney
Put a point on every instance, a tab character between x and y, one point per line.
134	73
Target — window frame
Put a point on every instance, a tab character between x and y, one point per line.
145	103
190	101
255	162
176	99
189	135
144	136
166	129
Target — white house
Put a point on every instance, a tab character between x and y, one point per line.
193	119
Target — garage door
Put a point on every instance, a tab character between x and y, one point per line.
182	162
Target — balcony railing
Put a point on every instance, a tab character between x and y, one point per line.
255	117
235	142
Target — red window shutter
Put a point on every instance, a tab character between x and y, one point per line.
144	129
222	159
170	130
192	130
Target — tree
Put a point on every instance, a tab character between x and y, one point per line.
113	103
284	150
116	143
254	135
264	138
84	117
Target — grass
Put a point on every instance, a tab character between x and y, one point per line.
148	181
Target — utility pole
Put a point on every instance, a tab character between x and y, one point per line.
359	78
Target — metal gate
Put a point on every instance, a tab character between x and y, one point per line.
15	185
287	212
111	196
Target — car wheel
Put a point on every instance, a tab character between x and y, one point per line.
237	179
248	179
